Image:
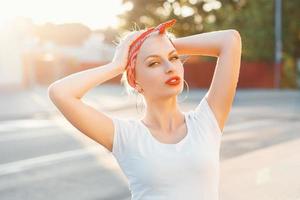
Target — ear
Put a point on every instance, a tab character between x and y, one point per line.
138	87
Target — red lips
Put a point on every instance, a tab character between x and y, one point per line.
174	80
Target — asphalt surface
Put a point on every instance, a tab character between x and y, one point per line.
42	156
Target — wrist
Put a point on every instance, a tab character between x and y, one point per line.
178	46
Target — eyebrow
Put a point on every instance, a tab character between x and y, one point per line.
174	50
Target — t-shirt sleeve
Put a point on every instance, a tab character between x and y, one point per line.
207	118
121	138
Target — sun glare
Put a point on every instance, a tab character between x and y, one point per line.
96	14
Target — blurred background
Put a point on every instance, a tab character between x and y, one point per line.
42	156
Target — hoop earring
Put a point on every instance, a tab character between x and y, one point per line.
188	89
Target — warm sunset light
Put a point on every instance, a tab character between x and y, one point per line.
93	13
86	114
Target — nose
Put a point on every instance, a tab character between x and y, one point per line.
169	66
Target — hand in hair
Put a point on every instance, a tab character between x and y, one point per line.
121	53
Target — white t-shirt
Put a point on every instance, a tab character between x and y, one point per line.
188	169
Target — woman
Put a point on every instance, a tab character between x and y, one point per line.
169	154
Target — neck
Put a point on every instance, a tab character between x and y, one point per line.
163	115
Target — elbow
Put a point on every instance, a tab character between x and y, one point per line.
54	92
235	37
233	41
235	34
51	92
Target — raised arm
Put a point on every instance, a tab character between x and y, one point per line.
226	45
67	92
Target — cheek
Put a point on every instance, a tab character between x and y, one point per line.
146	76
152	78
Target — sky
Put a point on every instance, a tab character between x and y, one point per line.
96	14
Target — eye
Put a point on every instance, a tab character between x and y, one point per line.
152	64
176	57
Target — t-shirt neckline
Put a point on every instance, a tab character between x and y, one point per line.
168	144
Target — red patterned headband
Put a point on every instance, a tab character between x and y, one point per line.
137	43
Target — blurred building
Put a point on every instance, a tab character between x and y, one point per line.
31	55
12	43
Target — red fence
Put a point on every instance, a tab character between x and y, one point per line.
198	74
252	75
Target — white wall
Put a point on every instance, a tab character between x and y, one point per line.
10	60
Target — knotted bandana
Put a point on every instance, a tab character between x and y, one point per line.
137	43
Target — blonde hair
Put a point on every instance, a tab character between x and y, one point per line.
130	91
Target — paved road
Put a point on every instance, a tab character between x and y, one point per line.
42	156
